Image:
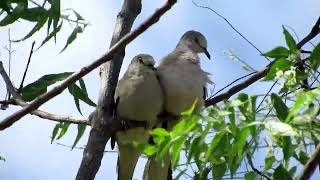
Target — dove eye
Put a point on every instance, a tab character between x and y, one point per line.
196	40
140	60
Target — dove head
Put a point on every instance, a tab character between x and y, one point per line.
194	41
141	62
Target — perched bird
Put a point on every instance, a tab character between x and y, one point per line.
139	98
183	82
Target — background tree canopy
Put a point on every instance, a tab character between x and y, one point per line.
261	120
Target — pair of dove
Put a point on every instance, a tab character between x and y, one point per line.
144	92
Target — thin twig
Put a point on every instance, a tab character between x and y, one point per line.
25	71
255	169
60	144
8	121
238	79
265	96
232	27
10	51
237	88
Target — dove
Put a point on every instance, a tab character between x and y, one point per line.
139	99
183	83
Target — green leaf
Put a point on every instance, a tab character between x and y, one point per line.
280	64
185	126
302	158
55	131
189	111
291	43
292	171
194	148
35	14
163	150
147	149
315	57
36	28
72	90
55	12
159	134
303	99
280	173
218	170
83	86
176	149
39	87
287	148
268	162
240	141
215	141
81	129
250	175
52	34
80	94
72	37
64	128
6	6
278	52
14	15
281	108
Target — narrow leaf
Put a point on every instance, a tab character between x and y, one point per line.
215	141
280	173
55	131
34	14
250	175
35	89
81	129
13	16
147	149
278	52
281	108
315	57
51	35
36	28
291	43
189	111
64	128
176	149
72	37
219	170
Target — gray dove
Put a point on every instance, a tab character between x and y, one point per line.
183	82
139	98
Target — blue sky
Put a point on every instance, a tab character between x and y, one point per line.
26	145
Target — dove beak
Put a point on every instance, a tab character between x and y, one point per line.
206	53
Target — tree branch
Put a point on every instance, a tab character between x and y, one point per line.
237	88
311	165
313	33
7	122
42	114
